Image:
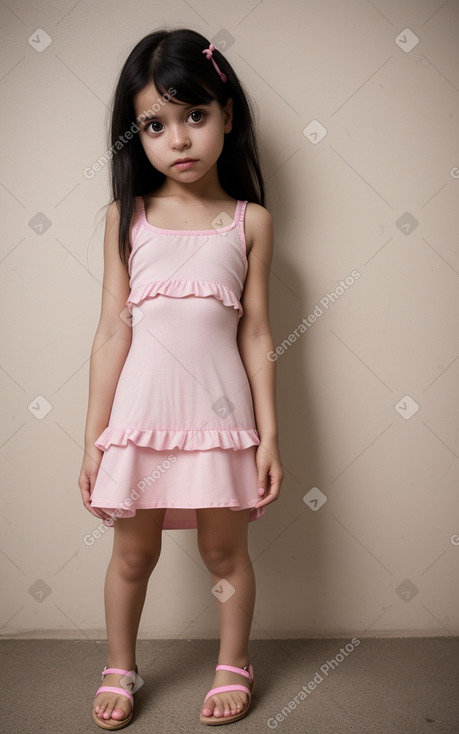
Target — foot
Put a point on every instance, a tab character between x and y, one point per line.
112	705
229	703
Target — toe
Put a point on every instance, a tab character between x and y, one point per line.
118	714
111	710
209	707
218	711
233	706
108	712
225	708
100	710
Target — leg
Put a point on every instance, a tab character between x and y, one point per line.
222	541
136	550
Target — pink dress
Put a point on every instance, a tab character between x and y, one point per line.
182	432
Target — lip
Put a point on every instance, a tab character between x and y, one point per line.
184	163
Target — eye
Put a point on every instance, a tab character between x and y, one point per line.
196	116
154	127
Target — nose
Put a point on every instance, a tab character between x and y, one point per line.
179	137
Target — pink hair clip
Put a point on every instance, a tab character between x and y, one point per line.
208	53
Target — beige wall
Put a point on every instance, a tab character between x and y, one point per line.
380	556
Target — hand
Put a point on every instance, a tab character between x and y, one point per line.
270	473
87	480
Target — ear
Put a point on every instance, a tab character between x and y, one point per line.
228	115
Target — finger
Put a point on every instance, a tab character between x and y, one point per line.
96	511
271	496
100	514
262	482
265	501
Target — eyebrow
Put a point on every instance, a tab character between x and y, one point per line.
151	118
141	119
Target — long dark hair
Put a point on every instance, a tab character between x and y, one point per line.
173	60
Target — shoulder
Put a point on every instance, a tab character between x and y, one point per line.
256	215
258	227
113	214
111	237
113	209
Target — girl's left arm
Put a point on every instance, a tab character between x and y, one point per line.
255	342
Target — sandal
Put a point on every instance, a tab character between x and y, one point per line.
131	686
248	672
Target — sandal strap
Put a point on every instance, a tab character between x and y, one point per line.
224	689
135	677
120	671
113	689
248	672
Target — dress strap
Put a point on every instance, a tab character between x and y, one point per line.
240	211
239	218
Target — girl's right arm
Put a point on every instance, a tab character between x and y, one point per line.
110	347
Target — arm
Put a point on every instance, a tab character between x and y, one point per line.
254	342
110	347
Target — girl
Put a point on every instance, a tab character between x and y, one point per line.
181	428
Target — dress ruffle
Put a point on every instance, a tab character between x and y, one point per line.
187	439
182	288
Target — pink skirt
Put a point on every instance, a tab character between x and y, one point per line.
135	478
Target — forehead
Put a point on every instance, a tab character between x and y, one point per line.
148	101
147	98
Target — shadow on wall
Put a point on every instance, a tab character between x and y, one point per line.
287	556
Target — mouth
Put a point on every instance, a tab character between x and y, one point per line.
184	163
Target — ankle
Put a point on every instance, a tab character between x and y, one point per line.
121	663
236	662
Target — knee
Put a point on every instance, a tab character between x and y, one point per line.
135	565
220	560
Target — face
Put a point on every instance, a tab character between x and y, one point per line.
182	141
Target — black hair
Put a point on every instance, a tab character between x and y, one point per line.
173	61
